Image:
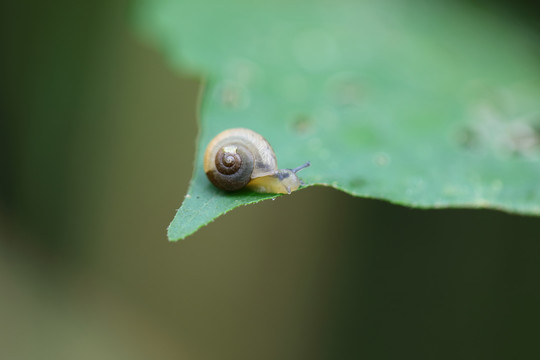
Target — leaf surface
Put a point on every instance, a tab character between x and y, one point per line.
425	104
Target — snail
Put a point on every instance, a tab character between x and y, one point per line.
238	158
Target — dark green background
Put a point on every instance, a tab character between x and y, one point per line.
91	119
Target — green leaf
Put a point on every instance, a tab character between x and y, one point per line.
426	104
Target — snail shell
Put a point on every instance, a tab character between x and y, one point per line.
239	158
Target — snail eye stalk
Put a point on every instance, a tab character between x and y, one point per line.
297	169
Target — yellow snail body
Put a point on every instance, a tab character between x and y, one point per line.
238	158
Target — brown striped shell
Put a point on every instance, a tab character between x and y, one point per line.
240	157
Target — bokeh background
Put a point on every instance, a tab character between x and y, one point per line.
97	138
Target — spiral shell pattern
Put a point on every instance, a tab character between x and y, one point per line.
236	156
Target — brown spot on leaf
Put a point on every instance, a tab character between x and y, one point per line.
302	123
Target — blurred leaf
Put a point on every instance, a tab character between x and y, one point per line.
426	104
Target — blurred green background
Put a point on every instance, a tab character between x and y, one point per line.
91	119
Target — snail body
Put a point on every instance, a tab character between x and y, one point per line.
238	158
